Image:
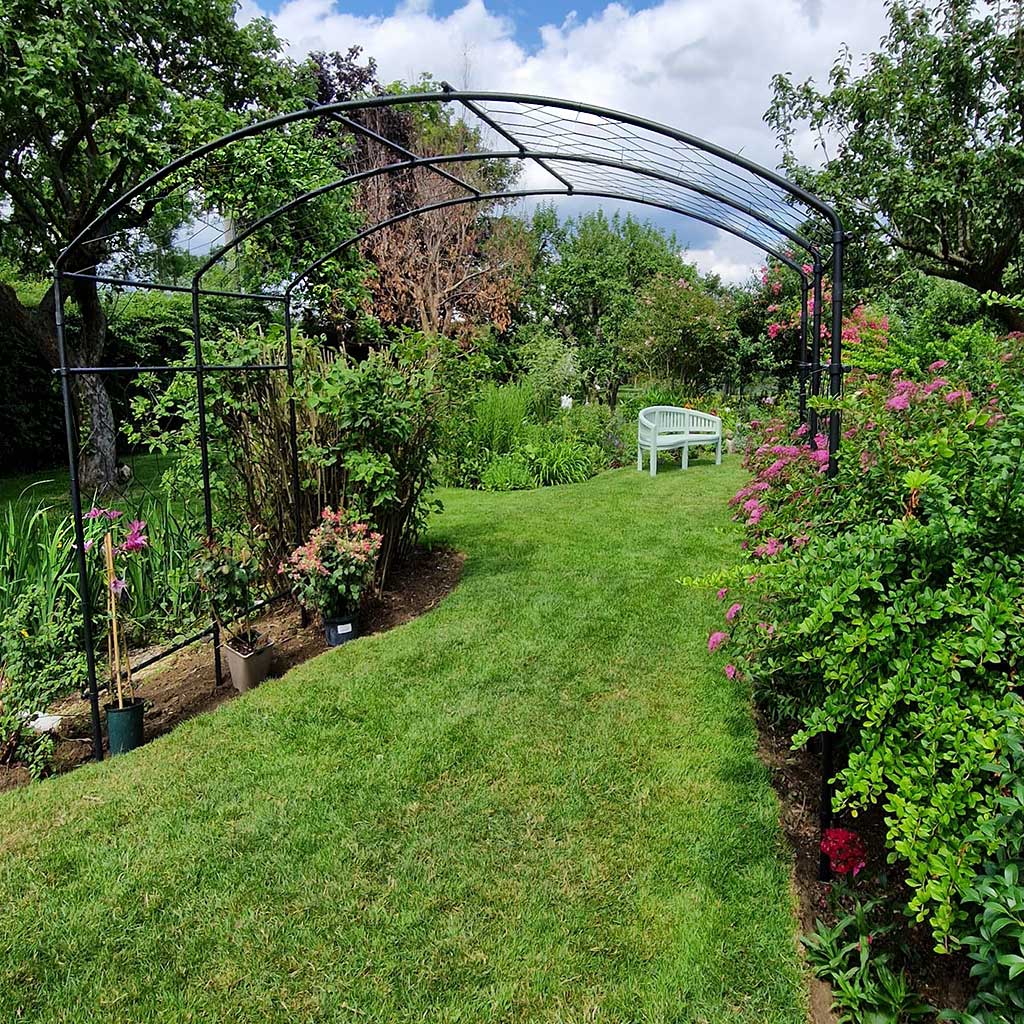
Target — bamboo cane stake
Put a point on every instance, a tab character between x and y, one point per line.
108	552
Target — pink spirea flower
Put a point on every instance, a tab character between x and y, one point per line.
716	640
722	592
845	851
939	364
956	396
770	547
899	402
733	611
730	671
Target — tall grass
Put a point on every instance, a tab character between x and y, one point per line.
37	550
498	422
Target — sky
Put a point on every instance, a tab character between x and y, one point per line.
704	66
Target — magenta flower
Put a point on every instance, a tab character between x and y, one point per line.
716	640
722	593
772	546
845	851
939	364
730	671
733	611
955	396
899	402
117	587
136	539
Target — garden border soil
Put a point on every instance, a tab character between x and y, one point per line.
182	686
943	980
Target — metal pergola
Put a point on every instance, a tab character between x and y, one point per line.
565	148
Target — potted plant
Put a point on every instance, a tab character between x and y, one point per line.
126	709
229	575
330	572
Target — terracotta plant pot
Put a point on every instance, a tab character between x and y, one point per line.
340	629
249	669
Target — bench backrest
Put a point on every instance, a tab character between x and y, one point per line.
671	419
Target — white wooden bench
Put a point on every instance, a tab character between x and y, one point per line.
663	428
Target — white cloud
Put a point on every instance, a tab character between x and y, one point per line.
729	257
701	65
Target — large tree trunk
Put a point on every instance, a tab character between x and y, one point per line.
97	428
98	453
94	412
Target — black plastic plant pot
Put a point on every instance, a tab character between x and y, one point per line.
339	630
125	726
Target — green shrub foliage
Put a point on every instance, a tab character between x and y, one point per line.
369	432
888	606
40	659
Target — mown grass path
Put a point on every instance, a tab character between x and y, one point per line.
539	803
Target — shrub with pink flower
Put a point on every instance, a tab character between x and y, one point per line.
330	572
889	608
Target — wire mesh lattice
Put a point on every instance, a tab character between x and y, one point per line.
276	236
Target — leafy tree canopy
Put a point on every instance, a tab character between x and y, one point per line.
924	144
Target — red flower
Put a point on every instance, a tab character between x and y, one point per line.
845	851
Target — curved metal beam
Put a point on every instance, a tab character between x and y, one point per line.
538	156
523	194
801	195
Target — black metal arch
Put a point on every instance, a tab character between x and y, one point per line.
588	150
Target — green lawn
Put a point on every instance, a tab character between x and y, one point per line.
539	803
52	485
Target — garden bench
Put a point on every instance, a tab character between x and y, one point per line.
663	428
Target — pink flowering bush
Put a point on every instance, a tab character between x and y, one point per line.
887	607
332	569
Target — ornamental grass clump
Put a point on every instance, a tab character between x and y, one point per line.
332	570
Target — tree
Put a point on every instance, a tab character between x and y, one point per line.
924	148
683	332
590	274
446	271
94	96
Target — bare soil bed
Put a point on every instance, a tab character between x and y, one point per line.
943	980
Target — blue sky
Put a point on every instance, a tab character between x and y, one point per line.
702	65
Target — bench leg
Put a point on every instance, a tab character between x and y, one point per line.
686	456
718	453
639	459
654	459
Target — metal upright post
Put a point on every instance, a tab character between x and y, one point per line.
835	387
815	368
84	597
293	434
802	364
204	458
835	367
